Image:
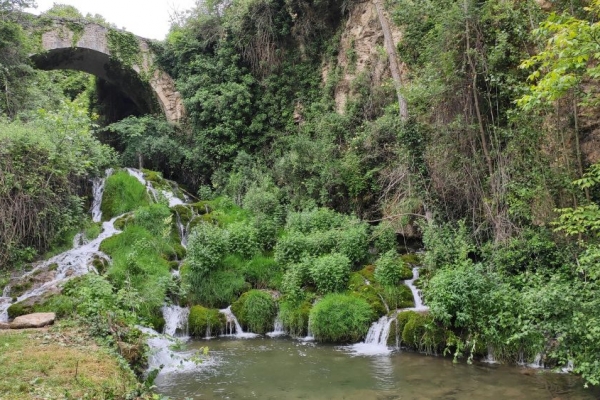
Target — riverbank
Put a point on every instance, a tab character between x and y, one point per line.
61	361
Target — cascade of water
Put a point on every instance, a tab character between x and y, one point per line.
538	362
172	199
98	191
568	368
176	320
419	306
67	265
233	325
79	240
277	328
376	340
489	358
161	356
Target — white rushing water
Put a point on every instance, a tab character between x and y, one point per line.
233	327
71	263
376	341
277	328
163	356
176	321
172	199
98	191
419	306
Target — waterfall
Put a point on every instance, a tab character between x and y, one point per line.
419	306
67	265
79	240
161	356
98	191
376	340
233	327
176	320
277	328
489	358
538	362
168	194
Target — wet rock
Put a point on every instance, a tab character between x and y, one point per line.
4	325
35	320
27	306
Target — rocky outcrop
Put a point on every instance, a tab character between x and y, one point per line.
36	320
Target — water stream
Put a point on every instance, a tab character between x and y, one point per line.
264	368
233	327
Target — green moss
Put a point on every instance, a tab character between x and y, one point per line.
370	293
174	265
124	47
100	264
204	321
18	289
184	212
122	193
340	318
18	309
255	310
157	322
294	316
122	222
203	207
398	296
411	259
368	273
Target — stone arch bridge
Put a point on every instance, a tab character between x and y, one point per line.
119	57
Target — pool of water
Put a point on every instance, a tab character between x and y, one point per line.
288	369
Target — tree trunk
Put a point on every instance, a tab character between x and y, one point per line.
390	48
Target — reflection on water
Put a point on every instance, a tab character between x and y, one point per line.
286	369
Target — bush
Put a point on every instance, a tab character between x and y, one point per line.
262	272
390	270
294	316
340	318
122	193
155	218
243	239
384	237
320	219
255	310
294	280
330	273
205	322
353	241
217	289
291	248
207	245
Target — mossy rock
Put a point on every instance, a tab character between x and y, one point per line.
202	207
203	321
411	259
18	309
53	267
18	289
173	265
157	322
398	297
255	310
368	273
420	332
180	251
370	293
122	222
295	317
100	264
152	176
184	212
122	193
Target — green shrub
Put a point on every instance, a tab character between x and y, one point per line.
390	270
320	219
204	322
294	316
291	248
122	193
266	232
255	310
155	218
397	296
353	241
330	273
322	242
217	289
384	237
262	272
207	245
243	239
294	280
340	318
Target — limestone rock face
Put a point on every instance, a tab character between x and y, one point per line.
35	320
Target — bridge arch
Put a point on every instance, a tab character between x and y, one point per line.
116	56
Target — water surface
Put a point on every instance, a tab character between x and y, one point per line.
266	368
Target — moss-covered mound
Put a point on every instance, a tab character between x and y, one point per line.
417	331
122	193
294	316
340	318
203	322
255	310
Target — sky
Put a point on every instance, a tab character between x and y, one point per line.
146	18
